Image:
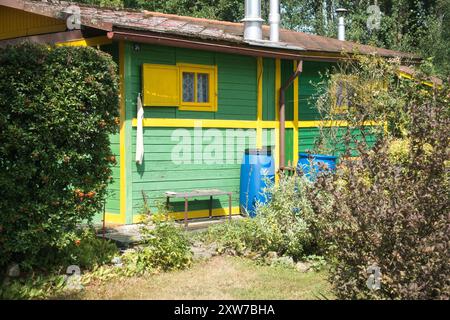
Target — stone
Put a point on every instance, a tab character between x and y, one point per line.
200	253
13	270
117	261
285	261
271	255
303	266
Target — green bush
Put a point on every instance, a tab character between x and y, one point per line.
164	247
87	251
390	209
283	225
58	107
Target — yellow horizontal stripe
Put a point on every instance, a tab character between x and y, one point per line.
194	214
410	77
190	123
240	124
88	42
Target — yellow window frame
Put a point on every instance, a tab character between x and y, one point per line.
335	83
345	83
211	105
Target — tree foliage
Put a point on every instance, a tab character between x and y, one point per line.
390	208
57	109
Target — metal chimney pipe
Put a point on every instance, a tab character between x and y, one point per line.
253	21
341	23
274	20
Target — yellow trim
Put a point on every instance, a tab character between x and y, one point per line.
194	214
295	133
277	152
123	175
410	77
190	123
277	124
259	131
114	218
212	81
240	124
16	23
277	85
87	42
332	123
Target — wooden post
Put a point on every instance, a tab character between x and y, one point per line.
229	206
167	208
210	206
185	212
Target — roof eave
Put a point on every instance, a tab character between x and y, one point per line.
233	47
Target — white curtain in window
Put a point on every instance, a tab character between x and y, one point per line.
202	87
188	87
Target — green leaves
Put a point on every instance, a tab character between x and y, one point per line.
391	206
50	139
164	248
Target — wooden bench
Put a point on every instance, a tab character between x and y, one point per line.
198	193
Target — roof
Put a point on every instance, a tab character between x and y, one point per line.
198	29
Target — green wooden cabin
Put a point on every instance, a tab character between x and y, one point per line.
207	94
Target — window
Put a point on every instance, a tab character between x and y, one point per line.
186	86
342	93
346	90
198	87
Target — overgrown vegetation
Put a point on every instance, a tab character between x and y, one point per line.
57	111
165	247
390	208
87	251
281	226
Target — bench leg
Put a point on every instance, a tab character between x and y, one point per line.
167	208
185	212
229	206
210	206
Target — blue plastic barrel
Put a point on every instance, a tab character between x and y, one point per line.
313	164
257	171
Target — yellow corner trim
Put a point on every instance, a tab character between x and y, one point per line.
277	85
123	156
295	132
115	218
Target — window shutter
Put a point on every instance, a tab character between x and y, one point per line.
160	85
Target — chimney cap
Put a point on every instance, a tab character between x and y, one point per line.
341	10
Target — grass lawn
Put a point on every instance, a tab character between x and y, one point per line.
221	277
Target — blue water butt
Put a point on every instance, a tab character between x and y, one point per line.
313	164
257	171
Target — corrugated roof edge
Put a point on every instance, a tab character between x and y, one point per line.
108	19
